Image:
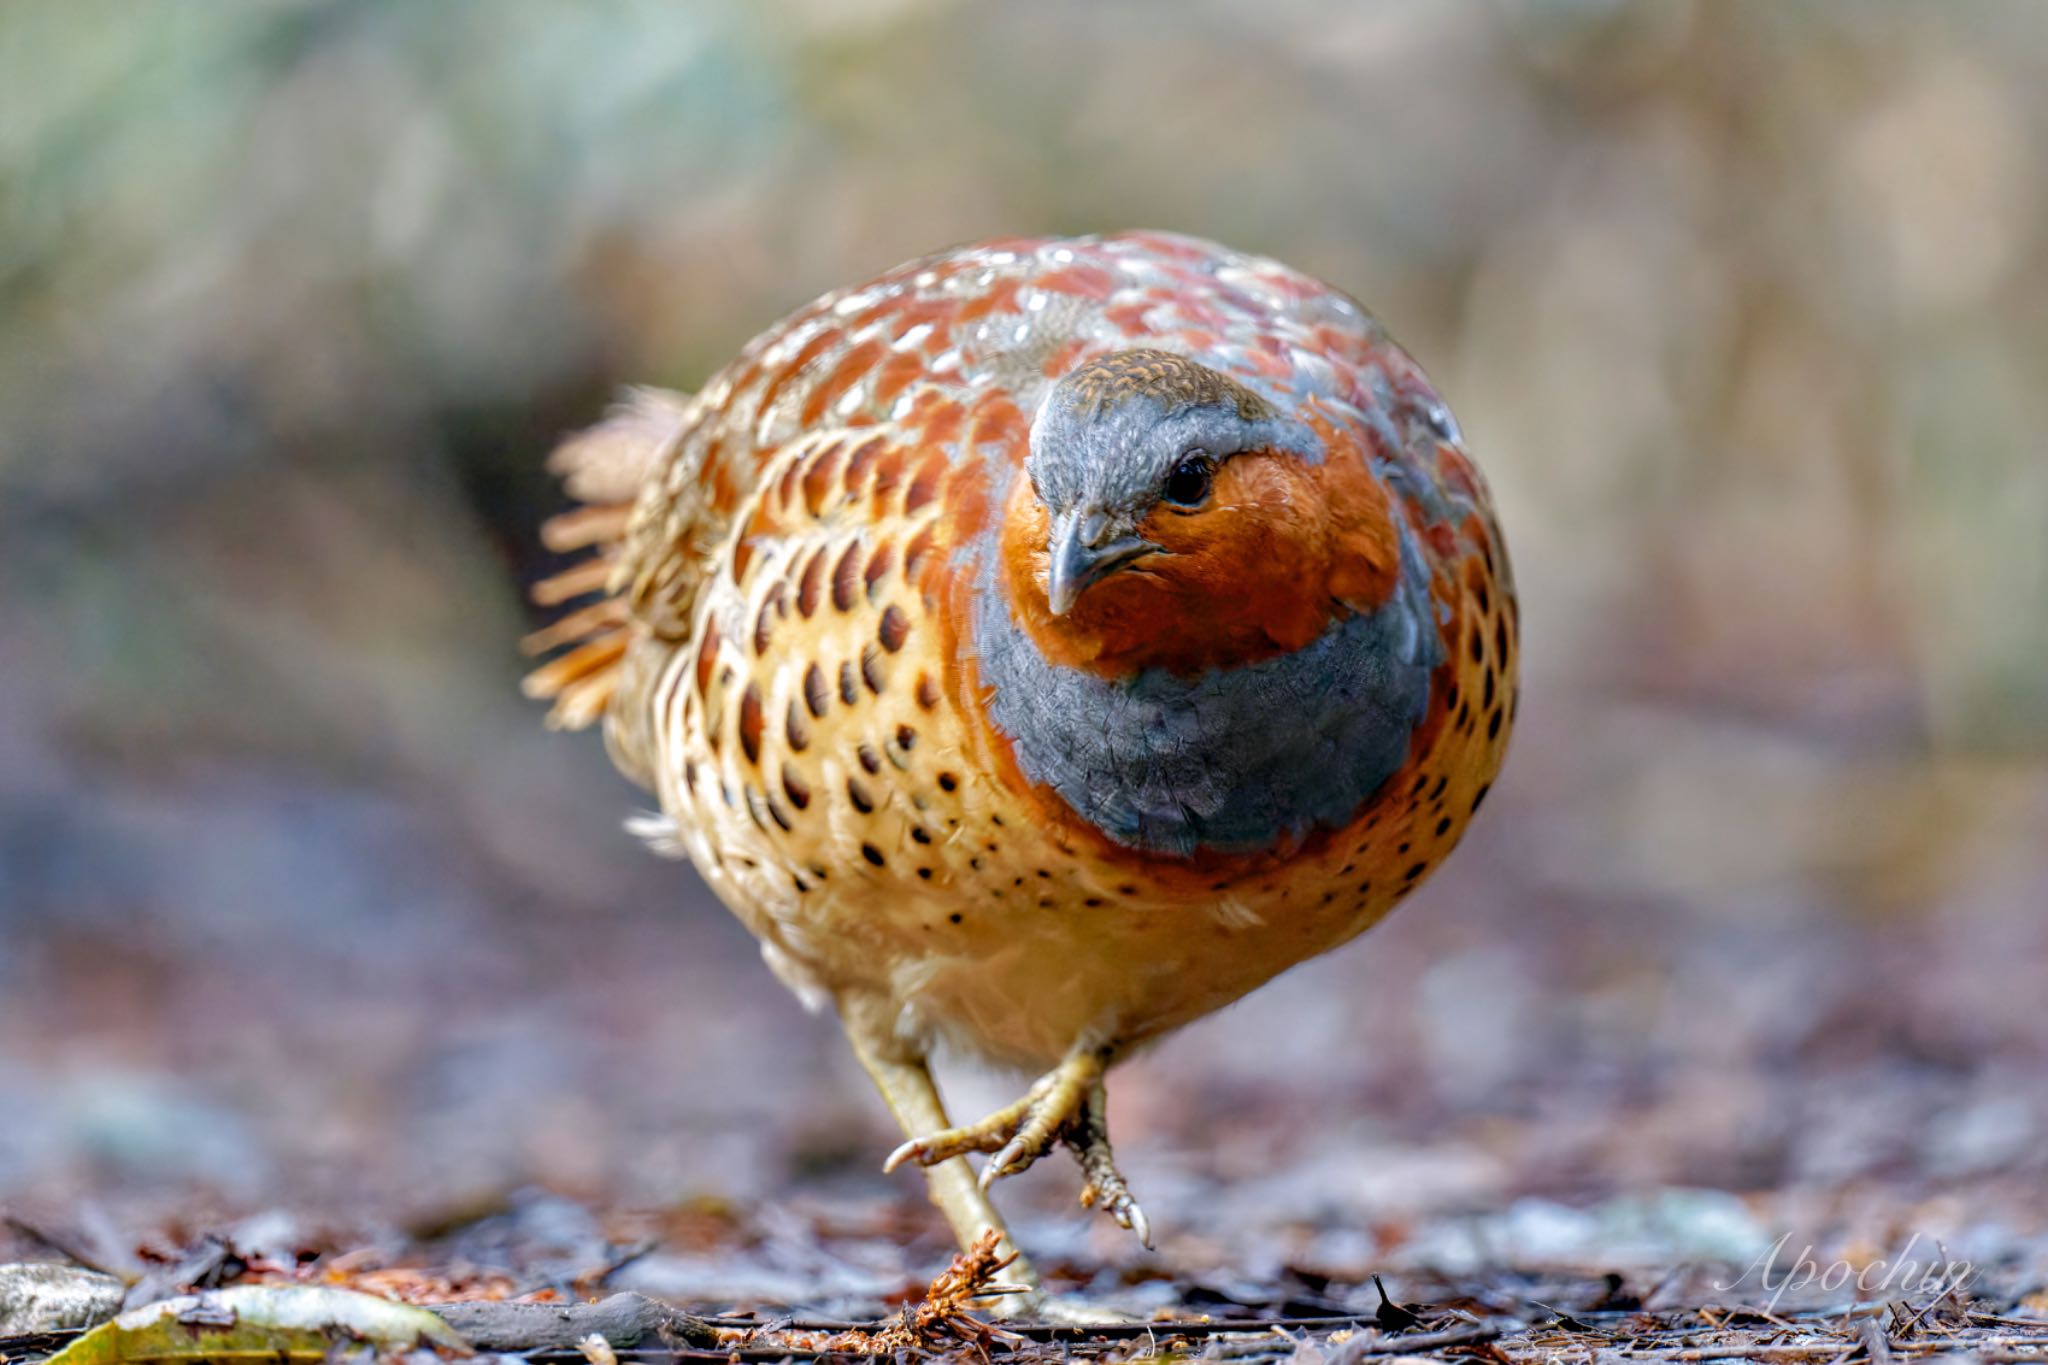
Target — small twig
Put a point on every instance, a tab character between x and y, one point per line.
1432	1341
620	1258
624	1320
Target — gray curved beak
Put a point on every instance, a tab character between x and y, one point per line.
1082	553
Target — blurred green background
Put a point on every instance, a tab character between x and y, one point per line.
1743	307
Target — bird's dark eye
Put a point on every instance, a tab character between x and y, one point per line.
1188	484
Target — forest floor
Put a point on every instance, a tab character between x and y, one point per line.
1667	1277
1579	1123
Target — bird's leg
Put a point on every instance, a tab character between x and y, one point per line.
1089	1141
907	1088
1067	1104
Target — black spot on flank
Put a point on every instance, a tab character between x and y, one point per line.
919	835
1493	725
996	820
816	695
763	624
1127	890
1416	871
1477	644
1093	902
948	782
1480	796
801	885
1365	888
775	813
794	786
846	578
924	874
750	723
878	569
1421	781
1443	827
793	725
1438	790
895	628
866	754
858	794
1486	697
1464	715
872	854
906	738
927	692
849	691
955	917
1500	636
1402	849
1485	598
871	668
810	586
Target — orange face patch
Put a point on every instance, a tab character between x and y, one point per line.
1261	568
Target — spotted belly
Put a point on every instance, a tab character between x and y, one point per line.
856	811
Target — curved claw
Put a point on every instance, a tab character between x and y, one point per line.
1066	1105
986	1136
1057	1104
1106	1185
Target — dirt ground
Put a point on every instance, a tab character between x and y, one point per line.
321	961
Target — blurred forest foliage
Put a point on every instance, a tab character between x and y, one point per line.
1743	306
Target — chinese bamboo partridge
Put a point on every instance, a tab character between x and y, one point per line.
1039	647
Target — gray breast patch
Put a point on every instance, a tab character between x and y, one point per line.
1231	760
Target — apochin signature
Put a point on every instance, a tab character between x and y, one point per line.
1901	1275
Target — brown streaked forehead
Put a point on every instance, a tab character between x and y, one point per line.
1172	381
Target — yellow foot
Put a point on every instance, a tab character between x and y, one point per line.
1106	1188
1068	1104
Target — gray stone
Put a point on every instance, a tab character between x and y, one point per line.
55	1298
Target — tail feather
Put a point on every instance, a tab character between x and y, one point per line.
602	524
603	468
580	624
607	463
578	580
